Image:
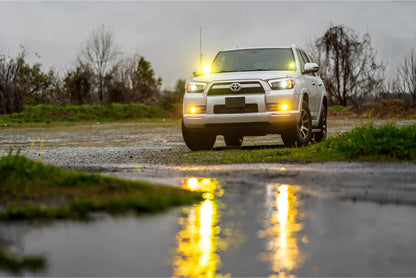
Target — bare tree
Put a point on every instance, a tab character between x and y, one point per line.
407	75
100	53
348	65
11	96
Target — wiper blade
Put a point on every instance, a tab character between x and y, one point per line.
242	70
258	70
223	71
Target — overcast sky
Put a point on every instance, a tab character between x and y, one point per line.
167	33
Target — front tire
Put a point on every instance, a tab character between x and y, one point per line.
233	141
301	134
197	140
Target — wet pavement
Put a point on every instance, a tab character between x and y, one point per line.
316	219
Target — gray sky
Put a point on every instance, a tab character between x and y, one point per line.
167	33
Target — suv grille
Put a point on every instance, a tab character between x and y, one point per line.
247	87
249	108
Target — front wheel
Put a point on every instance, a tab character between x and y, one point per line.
197	140
300	135
233	141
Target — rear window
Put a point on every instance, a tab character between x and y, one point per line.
266	59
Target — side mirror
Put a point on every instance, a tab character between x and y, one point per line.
311	67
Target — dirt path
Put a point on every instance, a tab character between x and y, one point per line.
79	145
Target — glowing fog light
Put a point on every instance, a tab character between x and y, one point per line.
278	107
192	109
196	109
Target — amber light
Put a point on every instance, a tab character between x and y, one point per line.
197	109
291	84
193	110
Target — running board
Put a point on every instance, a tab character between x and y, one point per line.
316	130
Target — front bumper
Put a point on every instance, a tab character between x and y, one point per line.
243	124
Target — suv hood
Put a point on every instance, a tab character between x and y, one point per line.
263	75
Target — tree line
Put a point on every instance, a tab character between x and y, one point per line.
102	74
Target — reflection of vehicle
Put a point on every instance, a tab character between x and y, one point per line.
198	241
255	91
283	227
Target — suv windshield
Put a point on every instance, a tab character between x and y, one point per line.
254	60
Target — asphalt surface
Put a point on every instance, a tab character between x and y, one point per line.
315	219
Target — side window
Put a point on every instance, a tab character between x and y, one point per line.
305	57
307	60
301	60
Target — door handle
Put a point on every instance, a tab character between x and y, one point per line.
313	83
320	84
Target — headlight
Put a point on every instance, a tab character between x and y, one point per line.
282	84
195	87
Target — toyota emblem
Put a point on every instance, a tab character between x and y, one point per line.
235	87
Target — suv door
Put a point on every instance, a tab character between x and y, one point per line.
310	83
318	87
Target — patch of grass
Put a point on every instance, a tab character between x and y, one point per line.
370	143
16	264
33	190
339	109
384	142
88	113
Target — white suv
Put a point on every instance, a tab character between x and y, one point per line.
253	92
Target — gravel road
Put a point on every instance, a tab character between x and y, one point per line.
121	148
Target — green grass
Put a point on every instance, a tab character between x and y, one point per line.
88	113
33	190
386	142
16	264
339	109
365	143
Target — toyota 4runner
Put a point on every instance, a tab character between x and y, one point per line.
253	92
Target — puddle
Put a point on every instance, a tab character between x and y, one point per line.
239	229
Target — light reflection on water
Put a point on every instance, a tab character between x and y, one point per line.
199	241
282	227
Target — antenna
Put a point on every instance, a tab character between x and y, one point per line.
200	49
